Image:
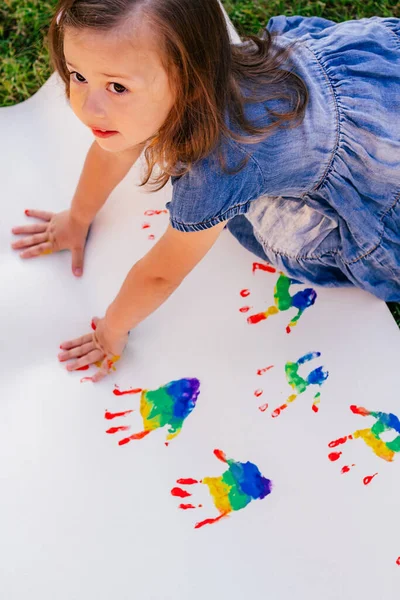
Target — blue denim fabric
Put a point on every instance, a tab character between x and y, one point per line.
320	202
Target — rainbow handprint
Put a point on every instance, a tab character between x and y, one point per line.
233	490
283	301
169	406
299	384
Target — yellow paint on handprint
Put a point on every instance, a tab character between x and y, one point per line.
377	445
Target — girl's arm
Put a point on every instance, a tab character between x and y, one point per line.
153	278
101	173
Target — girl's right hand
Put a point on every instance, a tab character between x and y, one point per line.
57	231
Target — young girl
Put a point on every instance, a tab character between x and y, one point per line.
291	140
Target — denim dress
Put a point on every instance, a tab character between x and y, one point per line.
320	201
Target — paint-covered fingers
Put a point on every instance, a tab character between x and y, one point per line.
39	214
77	352
38	250
92	357
84	339
103	371
32	240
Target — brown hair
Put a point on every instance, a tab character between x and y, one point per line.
209	74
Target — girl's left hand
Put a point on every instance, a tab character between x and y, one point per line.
103	346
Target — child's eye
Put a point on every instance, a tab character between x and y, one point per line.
117	86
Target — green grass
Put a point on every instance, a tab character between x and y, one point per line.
24	63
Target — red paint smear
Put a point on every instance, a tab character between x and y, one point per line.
166	444
116	429
263	408
110	415
277	411
152	237
288	330
245	293
345	469
258	393
367	480
315	408
398	561
210	521
256	318
340	441
93	326
122	393
83	368
151	213
27	212
220	455
86	379
262	267
262	371
135	436
334	456
188	481
186	506
245	309
180	492
359	410
146	225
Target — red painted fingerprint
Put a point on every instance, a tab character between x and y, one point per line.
256	318
315	408
123	392
135	436
210	521
186	506
340	441
151	237
262	267
83	368
367	480
263	407
244	309
346	469
334	456
359	410
278	411
180	493
220	455
398	561
146	225
258	393
151	213
188	481
93	325
110	415
262	371
116	429
245	293
288	330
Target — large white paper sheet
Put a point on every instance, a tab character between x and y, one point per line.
82	516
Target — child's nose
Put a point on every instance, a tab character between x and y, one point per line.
93	107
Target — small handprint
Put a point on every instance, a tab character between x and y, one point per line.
372	435
233	490
299	384
283	300
169	406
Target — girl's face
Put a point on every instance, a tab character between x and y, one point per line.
117	84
